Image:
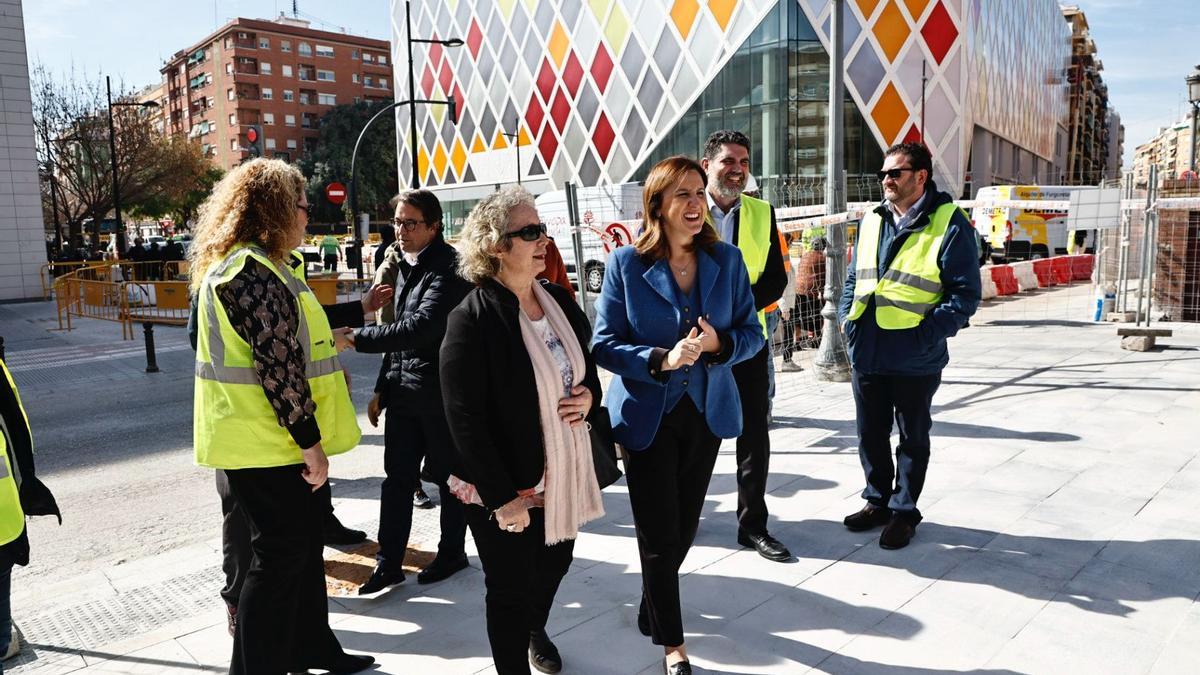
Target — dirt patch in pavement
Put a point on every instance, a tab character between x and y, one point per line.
348	569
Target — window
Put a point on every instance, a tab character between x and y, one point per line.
265	68
367	58
304	98
285	45
367	81
268	119
264	43
287	95
233	144
287	71
324	50
208	78
231	94
326	99
354	54
325	75
382	60
305	49
270	143
357	99
228	68
383	83
289	120
267	94
354	78
211	101
233	120
228	42
291	144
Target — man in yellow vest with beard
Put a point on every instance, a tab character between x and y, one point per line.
749	224
914	283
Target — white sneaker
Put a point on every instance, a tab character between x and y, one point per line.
14	647
790	367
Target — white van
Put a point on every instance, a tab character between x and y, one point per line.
610	216
1026	233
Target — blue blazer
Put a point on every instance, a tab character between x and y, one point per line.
637	316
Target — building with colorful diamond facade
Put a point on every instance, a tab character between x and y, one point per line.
594	91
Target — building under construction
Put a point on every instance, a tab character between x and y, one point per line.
1089	134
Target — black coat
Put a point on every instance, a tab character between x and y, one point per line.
490	393
424	296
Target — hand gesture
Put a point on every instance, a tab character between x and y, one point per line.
574	408
343	339
374	407
316	466
709	342
376	297
513	516
685	352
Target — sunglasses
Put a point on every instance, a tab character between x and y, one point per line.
531	232
407	224
893	173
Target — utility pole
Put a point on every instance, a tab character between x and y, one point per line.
516	139
831	362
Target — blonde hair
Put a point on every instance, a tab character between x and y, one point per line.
483	233
254	203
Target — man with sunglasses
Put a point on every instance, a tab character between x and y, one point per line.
427	287
914	283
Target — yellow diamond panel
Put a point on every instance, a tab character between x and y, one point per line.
891	30
867	7
458	157
439	161
916	8
599	8
683	13
722	11
506	7
890	114
617	29
558	45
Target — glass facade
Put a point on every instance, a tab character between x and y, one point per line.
776	90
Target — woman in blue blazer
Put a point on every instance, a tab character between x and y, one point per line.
675	313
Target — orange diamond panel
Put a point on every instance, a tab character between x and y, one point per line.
916	7
867	7
439	162
558	44
458	157
891	30
890	114
683	13
722	11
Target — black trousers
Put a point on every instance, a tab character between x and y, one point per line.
521	574
283	618
235	536
408	439
877	400
754	445
331	261
667	483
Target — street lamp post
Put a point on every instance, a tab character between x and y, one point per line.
830	362
517	145
412	87
112	154
1193	83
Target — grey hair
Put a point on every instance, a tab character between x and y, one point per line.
483	234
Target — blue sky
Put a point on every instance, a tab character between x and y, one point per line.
1147	46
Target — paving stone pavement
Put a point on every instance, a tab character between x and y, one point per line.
1059	537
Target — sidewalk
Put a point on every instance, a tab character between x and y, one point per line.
1060	535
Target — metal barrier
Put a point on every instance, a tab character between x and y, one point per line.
164	302
52	271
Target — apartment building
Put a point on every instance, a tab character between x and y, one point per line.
1090	134
281	75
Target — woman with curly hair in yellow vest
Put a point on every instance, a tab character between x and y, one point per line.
271	405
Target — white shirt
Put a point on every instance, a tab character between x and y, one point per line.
411	258
722	220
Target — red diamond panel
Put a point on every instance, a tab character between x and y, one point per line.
602	66
545	80
572	74
427	82
460	101
560	109
446	78
435	53
474	39
939	32
913	135
548	145
534	114
603	137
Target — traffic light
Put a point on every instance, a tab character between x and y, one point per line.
254	141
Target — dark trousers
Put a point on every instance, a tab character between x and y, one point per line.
408	439
667	483
331	261
877	400
521	574
235	536
283	618
754	445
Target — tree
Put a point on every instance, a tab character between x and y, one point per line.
70	116
329	160
181	201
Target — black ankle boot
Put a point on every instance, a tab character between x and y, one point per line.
543	655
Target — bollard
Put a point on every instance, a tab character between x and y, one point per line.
151	362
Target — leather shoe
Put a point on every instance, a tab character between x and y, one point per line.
767	546
231	618
342	535
441	569
543	655
422	500
347	663
381	578
869	518
679	668
899	531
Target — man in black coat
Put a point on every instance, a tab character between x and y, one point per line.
427	288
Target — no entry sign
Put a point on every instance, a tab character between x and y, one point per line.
335	193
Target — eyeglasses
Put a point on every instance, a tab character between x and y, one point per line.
306	208
407	224
531	232
893	173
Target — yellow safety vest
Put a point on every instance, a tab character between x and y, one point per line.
912	284
234	424
12	516
754	241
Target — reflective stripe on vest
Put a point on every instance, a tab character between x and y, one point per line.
754	241
12	516
911	286
234	424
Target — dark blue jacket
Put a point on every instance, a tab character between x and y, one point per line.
638	320
921	350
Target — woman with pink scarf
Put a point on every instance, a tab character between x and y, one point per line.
519	383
